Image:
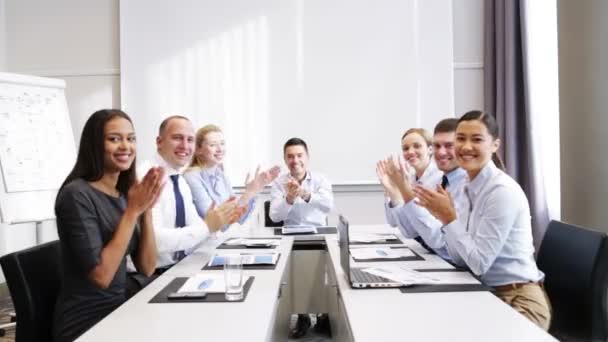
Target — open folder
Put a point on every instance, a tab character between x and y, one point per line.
247	259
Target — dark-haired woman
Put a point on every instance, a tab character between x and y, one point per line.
491	232
102	215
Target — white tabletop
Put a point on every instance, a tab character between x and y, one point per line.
251	320
372	314
389	315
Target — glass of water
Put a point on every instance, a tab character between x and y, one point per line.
233	275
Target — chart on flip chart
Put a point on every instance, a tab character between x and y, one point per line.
37	147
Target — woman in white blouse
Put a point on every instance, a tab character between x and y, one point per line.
417	149
491	232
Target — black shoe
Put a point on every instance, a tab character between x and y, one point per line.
302	326
322	327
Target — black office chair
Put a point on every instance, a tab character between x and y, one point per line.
268	222
575	263
33	277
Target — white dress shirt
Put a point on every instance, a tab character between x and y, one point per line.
170	239
314	212
492	234
430	178
424	223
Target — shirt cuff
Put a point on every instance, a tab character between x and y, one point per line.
452	232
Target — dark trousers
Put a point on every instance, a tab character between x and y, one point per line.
137	281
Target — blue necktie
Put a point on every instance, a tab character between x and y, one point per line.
180	212
444	182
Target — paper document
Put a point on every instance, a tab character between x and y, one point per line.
299	229
409	276
209	283
253	242
371	237
248	259
402	275
380	253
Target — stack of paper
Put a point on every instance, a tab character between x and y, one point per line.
380	253
210	283
248	259
371	237
299	229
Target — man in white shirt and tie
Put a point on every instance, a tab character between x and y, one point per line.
177	226
415	220
301	197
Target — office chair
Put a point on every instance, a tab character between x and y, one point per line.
268	222
33	277
575	263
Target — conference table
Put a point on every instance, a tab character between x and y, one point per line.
355	314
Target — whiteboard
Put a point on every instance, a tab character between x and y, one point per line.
37	148
347	76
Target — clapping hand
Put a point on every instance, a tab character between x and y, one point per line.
260	179
144	195
293	190
439	203
217	217
398	173
390	189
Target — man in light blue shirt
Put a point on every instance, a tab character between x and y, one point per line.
415	221
301	197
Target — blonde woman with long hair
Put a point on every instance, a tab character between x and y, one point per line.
207	179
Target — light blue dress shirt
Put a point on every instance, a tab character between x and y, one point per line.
430	178
209	186
424	223
314	212
493	234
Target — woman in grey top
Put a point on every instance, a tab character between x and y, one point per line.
102	214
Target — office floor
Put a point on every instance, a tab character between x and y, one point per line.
6	307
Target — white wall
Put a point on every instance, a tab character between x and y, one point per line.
468	55
2	37
78	41
583	83
73	40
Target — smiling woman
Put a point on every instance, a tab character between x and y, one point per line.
489	229
98	209
207	181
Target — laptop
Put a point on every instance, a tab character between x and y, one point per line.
356	276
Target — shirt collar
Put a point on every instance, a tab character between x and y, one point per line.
475	186
456	176
430	169
287	175
211	173
169	170
306	177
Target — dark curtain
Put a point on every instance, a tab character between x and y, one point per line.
506	96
